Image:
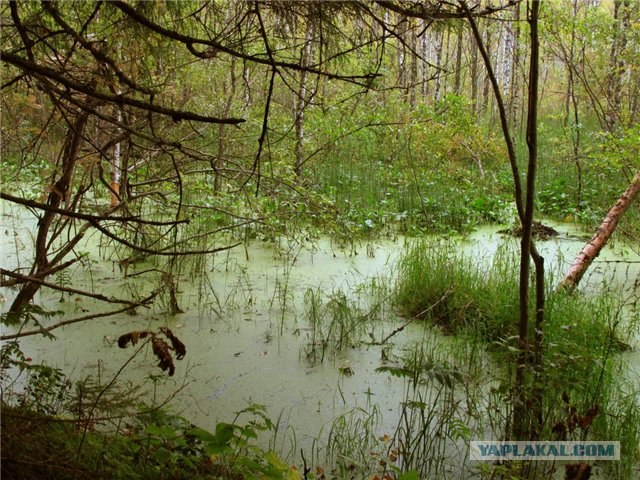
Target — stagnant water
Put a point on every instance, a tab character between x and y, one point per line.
245	331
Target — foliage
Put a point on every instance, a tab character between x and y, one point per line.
160	348
579	382
47	432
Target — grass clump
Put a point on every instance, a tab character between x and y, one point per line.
584	390
437	283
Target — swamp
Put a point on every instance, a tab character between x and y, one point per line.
320	240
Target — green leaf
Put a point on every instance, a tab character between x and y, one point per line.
410	475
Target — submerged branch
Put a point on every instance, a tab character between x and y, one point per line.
415	317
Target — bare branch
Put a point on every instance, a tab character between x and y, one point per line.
97	296
63	78
159	252
83	216
437	11
215	47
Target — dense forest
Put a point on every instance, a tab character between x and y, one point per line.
157	140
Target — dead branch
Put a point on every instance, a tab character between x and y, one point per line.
60	77
83	216
143	303
41	274
97	296
160	252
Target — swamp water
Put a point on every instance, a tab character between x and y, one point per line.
257	331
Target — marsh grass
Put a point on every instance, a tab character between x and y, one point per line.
584	333
353	444
343	319
334	321
434	421
438	283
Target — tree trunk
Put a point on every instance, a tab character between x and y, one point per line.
474	74
592	249
573	98
301	100
116	166
402	52
59	192
527	410
617	64
413	80
424	52
487	82
456	83
446	50
218	163
439	46
514	100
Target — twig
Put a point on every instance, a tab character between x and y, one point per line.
37	69
99	396
416	316
142	303
83	216
42	273
159	252
97	296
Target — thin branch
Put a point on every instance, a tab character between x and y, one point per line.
428	11
216	47
159	252
34	279
416	316
84	318
41	274
96	52
63	78
83	216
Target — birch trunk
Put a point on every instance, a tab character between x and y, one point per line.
439	42
116	166
617	64
301	100
456	83
474	74
413	80
592	249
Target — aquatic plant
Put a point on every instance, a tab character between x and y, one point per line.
336	321
580	384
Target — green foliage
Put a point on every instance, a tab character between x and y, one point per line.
46	388
52	430
583	335
449	289
422	174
